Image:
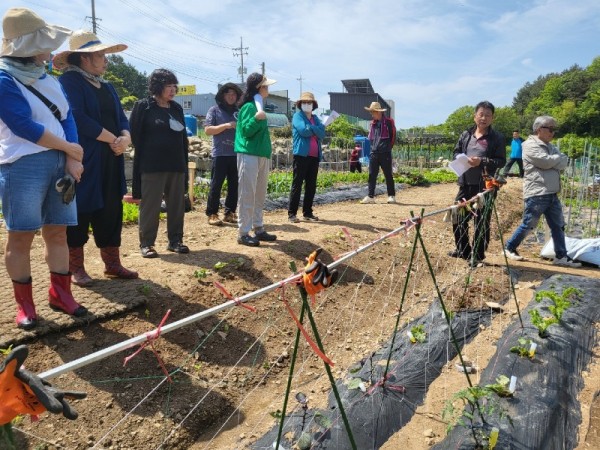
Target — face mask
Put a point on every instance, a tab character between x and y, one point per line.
307	107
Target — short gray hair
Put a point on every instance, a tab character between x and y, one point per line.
543	121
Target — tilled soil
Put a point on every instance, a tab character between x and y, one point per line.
229	371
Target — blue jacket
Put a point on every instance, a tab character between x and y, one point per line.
86	110
516	147
303	131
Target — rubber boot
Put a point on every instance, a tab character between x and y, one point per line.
60	296
79	276
112	264
26	315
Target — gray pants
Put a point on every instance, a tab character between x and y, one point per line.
253	175
154	186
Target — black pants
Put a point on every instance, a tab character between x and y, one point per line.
106	222
356	167
481	235
383	160
510	163
306	169
223	167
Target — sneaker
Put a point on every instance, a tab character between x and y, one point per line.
513	254
565	261
148	252
391	199
178	247
311	218
264	236
248	240
367	200
293	219
213	219
230	217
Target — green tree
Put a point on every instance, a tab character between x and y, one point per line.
459	121
530	91
505	121
135	82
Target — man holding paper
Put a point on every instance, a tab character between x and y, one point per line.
484	150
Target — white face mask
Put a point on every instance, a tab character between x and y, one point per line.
306	107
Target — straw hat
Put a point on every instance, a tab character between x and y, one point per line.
266	82
84	42
26	34
307	97
375	106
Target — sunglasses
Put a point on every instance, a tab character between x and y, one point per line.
175	124
551	129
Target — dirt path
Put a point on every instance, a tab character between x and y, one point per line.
233	367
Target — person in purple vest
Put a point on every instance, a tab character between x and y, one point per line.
220	123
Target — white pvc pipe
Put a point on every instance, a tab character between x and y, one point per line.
109	351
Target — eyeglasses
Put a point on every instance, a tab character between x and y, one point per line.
175	124
551	129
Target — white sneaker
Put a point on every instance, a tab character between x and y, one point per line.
367	200
514	255
391	199
565	261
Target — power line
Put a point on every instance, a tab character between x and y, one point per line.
172	25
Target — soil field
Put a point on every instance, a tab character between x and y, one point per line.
229	371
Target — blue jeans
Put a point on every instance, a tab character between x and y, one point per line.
548	205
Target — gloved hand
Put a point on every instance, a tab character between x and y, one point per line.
316	274
22	392
66	186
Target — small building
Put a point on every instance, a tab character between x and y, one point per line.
358	94
197	105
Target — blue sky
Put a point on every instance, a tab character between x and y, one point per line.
429	57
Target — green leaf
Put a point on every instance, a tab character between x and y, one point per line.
323	421
354	383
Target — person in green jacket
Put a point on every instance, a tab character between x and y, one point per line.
253	148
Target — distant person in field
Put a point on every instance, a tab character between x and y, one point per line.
543	164
220	123
355	165
104	135
253	149
307	135
485	150
382	135
516	154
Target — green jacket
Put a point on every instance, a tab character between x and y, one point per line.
251	135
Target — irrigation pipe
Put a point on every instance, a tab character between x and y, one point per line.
119	347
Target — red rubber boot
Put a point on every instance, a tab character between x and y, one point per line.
26	315
60	296
112	264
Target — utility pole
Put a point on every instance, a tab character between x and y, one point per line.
241	51
300	80
94	16
262	65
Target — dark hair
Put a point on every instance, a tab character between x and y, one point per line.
516	130
251	87
158	79
22	59
74	59
220	97
486	105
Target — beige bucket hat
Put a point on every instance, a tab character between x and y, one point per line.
375	106
26	34
307	97
84	42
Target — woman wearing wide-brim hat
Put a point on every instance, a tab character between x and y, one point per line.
38	146
104	134
307	134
